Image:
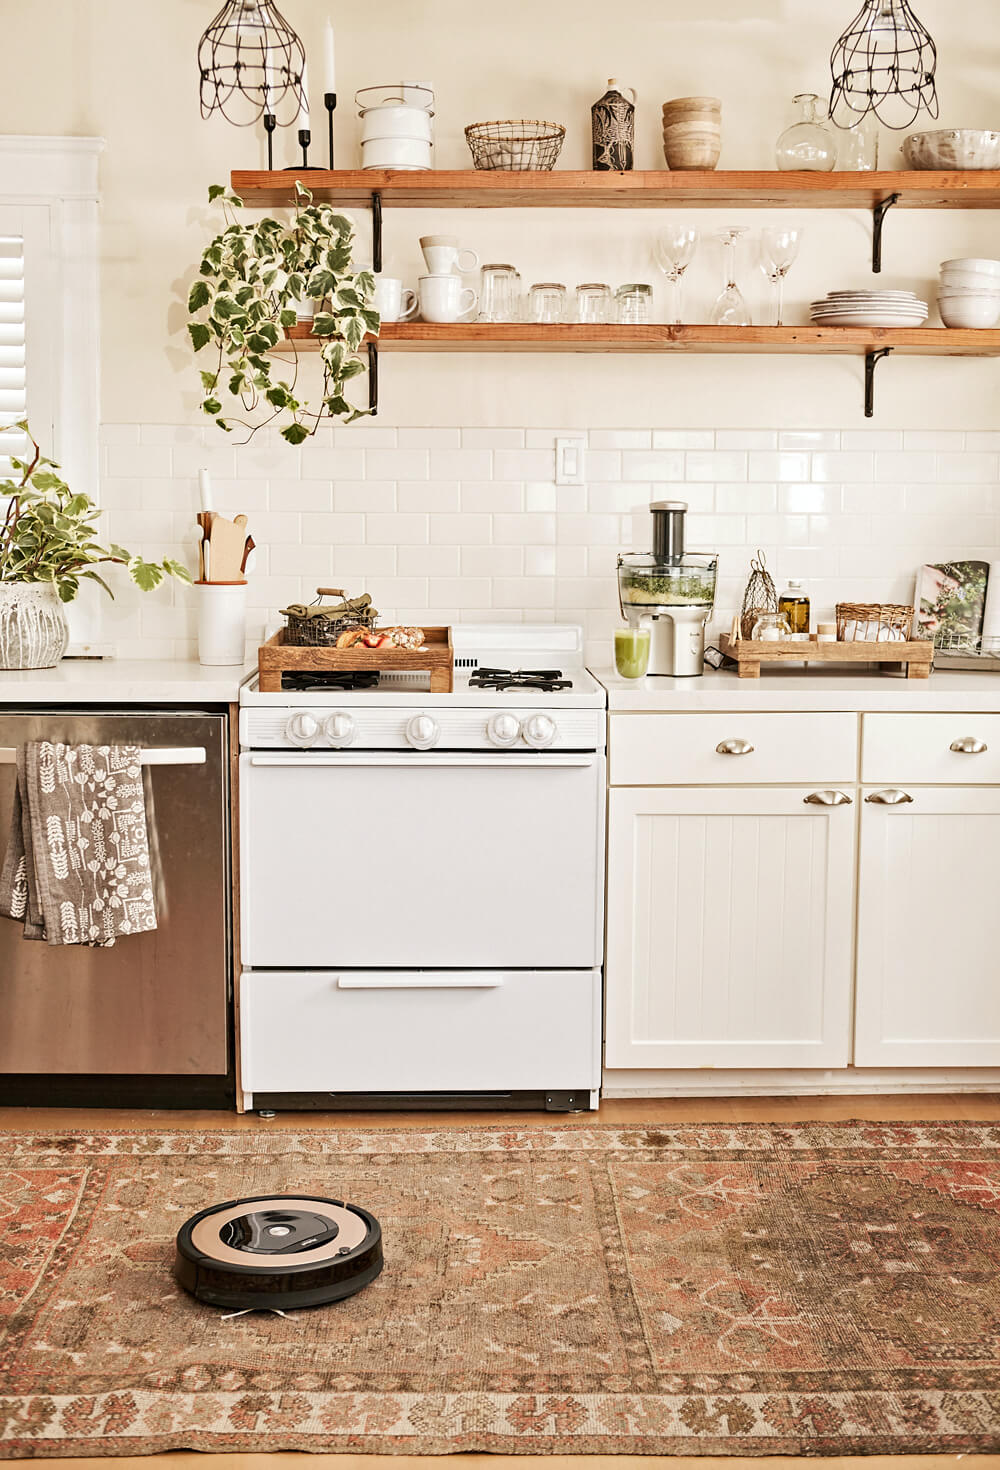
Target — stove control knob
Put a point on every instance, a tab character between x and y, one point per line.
302	728
340	729
503	730
422	732
539	731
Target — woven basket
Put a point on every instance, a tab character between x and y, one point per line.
867	622
519	144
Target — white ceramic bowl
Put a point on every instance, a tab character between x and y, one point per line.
953	148
970	280
971	293
973	263
970	313
407	153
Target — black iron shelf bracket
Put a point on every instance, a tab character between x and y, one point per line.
879	212
376	231
872	359
373	378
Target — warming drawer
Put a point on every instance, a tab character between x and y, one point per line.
378	1031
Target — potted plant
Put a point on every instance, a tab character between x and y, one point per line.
47	547
255	281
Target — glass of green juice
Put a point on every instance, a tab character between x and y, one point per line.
632	652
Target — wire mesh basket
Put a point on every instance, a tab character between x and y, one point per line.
320	624
518	144
967	652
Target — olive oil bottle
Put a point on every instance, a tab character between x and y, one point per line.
794	603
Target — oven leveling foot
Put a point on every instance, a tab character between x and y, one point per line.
571	1102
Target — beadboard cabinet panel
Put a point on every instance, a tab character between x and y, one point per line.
730	925
928	971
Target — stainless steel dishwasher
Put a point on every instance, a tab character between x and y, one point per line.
147	1021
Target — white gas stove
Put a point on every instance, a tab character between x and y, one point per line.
422	883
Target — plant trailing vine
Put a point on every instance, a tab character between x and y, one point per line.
244	299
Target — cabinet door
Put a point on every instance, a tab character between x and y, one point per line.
928	984
730	927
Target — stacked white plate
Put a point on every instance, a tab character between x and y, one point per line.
869	309
969	294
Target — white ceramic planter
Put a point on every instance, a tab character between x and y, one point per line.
222	622
34	633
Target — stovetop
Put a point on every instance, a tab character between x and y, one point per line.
541	681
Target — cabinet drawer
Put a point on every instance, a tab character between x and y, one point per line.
683	749
918	748
420	1030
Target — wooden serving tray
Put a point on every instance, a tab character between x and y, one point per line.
276	657
750	653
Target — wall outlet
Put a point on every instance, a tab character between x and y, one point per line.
570	456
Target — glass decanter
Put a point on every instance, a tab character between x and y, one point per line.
808	143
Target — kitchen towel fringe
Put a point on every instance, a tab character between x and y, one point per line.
77	867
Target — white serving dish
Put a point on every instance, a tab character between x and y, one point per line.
970	312
953	148
870	319
973	293
405	153
396	122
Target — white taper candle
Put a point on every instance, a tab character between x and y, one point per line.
303	119
329	72
205	490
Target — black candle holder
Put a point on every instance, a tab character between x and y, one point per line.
330	103
270	123
305	167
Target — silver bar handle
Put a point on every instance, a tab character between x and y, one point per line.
166	755
540	762
889	797
969	745
827	798
421	980
734	747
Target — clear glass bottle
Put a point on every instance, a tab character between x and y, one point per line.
793	603
808	143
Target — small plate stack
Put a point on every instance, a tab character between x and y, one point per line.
869	309
969	294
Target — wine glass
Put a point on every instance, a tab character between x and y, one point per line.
779	248
673	251
731	310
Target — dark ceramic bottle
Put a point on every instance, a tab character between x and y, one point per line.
613	129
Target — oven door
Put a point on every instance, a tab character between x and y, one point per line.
419	860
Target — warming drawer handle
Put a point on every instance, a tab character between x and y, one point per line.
969	745
166	755
504	762
396	981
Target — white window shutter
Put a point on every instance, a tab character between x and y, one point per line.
13	384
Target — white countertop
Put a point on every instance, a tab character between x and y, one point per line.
794	689
123	681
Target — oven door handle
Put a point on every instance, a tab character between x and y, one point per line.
540	762
421	980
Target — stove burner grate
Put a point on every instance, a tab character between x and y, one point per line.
316	683
542	681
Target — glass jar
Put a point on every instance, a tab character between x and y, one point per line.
794	603
593	302
634	304
546	302
808	143
771	627
499	294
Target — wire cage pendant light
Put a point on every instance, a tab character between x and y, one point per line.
883	64
252	65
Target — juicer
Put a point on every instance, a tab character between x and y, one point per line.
674	589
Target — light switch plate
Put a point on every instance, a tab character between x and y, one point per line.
570	456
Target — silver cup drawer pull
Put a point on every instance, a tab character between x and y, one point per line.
969	745
734	747
827	798
891	797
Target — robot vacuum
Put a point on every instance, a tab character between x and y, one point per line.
278	1250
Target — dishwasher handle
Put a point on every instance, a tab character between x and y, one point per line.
165	755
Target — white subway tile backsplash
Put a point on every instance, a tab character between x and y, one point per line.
365	561
745	439
715	464
393	530
852	464
465	529
683	438
525	530
490	495
463	464
334	527
428	495
428	561
814	439
620	439
358	495
966	467
522	464
399	464
460	592
746	497
138	461
429	438
331	464
801	498
935	439
654	464
784	465
364	436
492	438
898	467
491	561
539	496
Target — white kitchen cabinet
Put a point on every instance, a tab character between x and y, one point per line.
730	928
928	969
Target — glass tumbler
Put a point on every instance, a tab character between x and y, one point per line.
499	293
634	304
546	302
632	651
593	302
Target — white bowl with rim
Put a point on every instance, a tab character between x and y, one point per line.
973	263
970	313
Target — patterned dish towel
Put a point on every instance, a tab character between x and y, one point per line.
77	869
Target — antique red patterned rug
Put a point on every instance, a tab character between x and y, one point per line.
822	1289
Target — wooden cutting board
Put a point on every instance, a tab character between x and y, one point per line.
227	543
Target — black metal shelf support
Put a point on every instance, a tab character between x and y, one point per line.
872	359
373	378
377	230
879	212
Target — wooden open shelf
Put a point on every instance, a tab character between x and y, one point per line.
570	337
652	189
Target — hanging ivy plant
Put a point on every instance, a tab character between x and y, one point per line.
251	278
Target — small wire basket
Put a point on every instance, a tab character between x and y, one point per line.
760	595
320	625
519	144
873	622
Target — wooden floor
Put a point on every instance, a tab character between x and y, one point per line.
963	1106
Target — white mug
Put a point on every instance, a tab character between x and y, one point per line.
445	299
394	302
443	254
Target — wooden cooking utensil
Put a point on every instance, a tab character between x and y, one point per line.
227	545
250	544
205	519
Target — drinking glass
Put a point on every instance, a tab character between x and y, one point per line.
499	293
546	302
634	304
857	147
673	251
593	302
730	310
632	651
779	249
